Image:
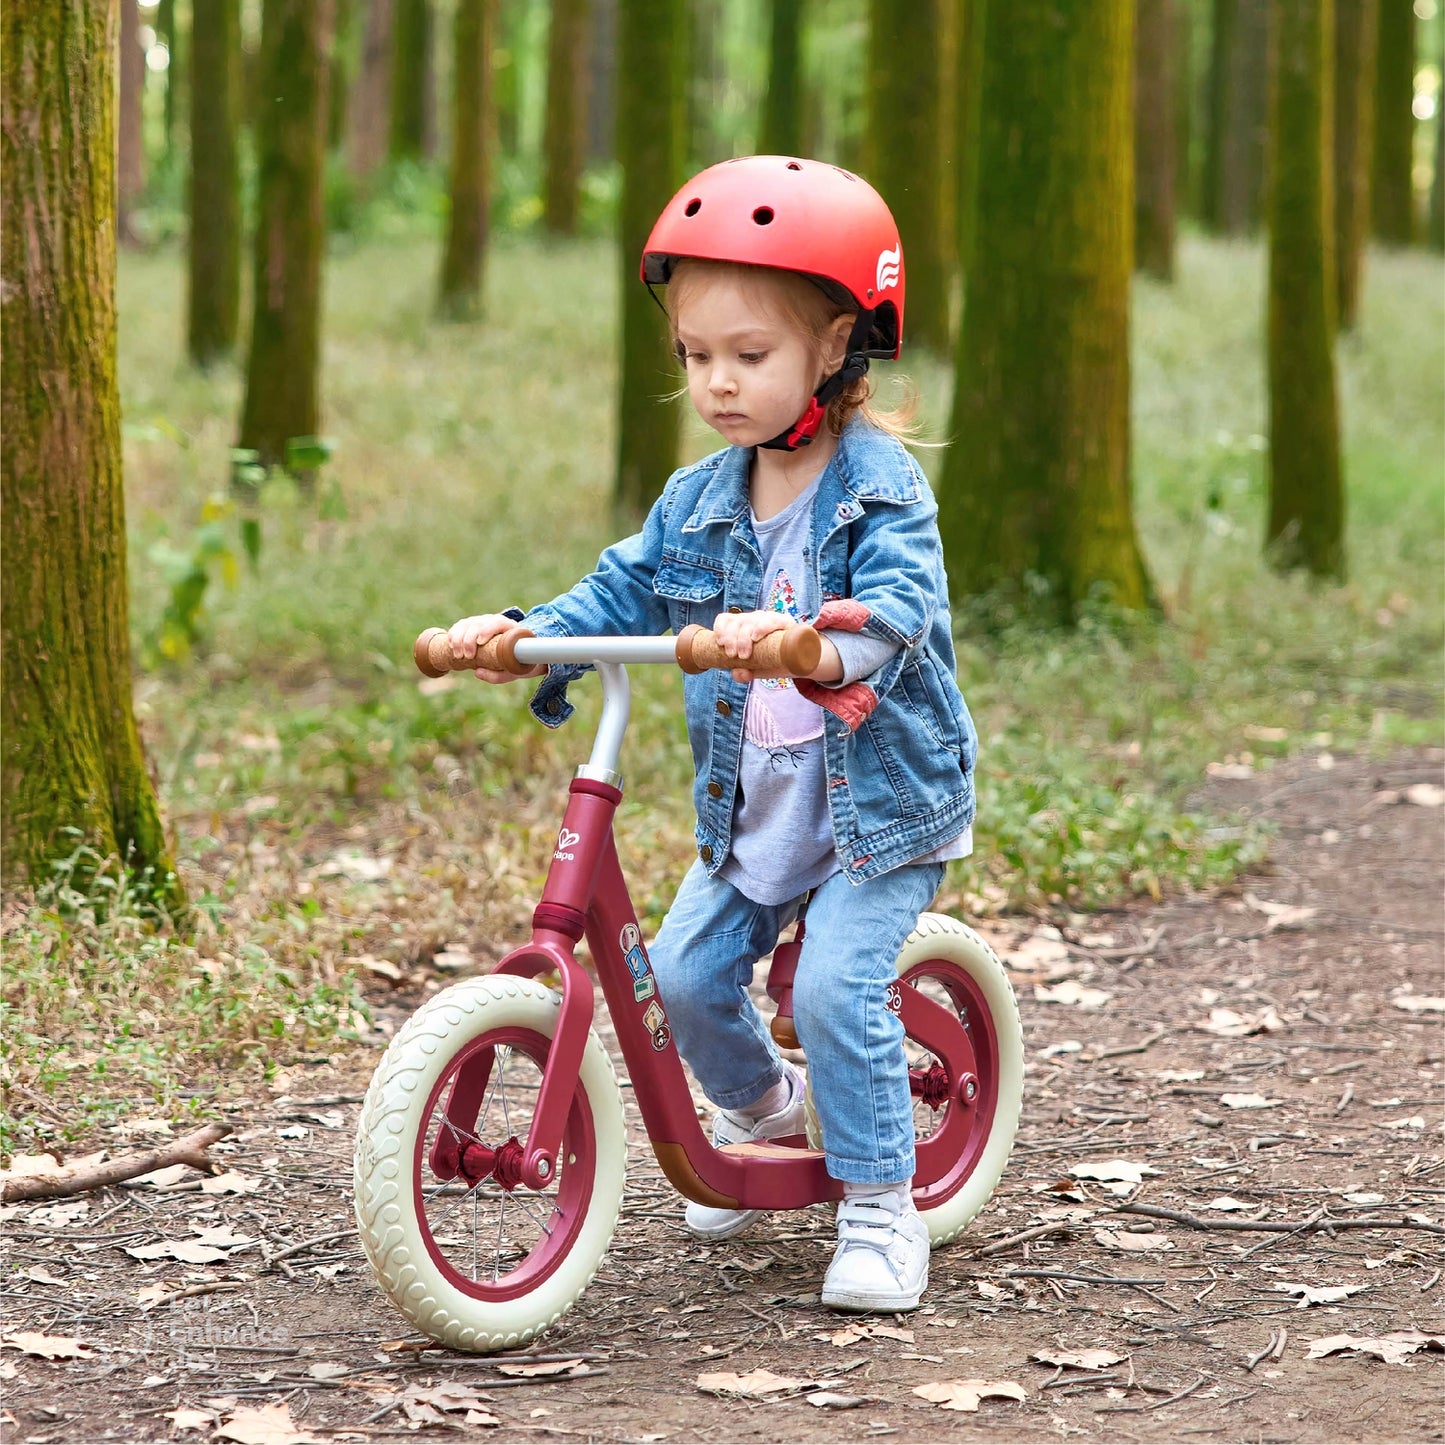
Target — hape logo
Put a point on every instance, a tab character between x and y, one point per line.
566	840
889	264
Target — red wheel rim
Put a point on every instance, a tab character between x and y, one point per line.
959	1130
489	1242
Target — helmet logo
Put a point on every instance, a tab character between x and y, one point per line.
888	265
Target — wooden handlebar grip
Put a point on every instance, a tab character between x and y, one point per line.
794	652
432	653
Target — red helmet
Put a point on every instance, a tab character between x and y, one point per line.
795	215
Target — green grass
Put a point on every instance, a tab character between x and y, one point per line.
476	464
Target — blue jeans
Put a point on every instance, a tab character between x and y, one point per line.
704	956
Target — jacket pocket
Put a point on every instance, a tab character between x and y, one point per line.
919	689
693	589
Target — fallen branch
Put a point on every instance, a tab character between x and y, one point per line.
1153	1211
190	1150
1039	1231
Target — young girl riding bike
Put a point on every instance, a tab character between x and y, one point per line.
846	790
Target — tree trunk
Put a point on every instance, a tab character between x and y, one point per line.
281	375
968	79
214	249
1306	494
168	32
1186	79
649	147
565	141
369	119
602	83
1034	501
1392	197
902	155
1155	54
409	82
340	72
1238	116
780	132
1436	227
464	262
131	159
74	774
1354	42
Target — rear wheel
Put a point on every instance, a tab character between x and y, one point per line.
475	1259
965	1067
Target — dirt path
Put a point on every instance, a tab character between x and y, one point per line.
1227	999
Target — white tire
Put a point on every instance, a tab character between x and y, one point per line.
440	1248
937	952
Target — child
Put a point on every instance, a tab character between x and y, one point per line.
854	785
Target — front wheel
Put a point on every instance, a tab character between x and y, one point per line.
968	1088
473	1258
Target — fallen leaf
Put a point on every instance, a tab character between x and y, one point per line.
41	1275
1067	1046
1419	1004
1248	1101
47	1347
965	1394
267	1425
356	866
1224	1204
1132	1242
547	1367
143	1126
830	1400
990	1290
1071	991
1228	1024
1122	1169
480	1417
190	1251
754	1385
229	1183
220	1236
1080	1359
328	1370
1415	1121
1392	1348
183	1419
1324	1295
163	1178
1040	951
1425	795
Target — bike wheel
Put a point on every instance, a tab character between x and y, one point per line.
470	1256
971	1106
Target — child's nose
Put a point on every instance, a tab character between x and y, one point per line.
721	380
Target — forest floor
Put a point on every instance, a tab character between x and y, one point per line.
1270	1054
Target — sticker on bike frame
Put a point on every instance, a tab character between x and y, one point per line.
630	937
893	999
654	1017
661	1037
637	964
643	988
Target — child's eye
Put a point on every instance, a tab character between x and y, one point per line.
694	356
752	357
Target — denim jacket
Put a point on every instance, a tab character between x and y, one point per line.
899	746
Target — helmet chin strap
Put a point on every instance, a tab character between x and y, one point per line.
855	365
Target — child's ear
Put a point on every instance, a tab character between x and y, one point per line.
835	344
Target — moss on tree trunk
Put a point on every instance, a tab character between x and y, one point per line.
1392	202
1034	497
904	159
565	138
650	56
1155	153
1306	494
73	770
780	132
281	373
1354	40
213	260
464	261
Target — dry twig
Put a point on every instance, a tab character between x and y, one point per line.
190	1150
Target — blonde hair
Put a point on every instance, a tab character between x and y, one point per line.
810	310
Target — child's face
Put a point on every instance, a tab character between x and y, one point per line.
750	371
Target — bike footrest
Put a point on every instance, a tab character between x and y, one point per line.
771	1149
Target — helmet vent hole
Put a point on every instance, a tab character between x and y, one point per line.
692	207
794	166
763	215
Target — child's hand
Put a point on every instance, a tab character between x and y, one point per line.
737	631
471	632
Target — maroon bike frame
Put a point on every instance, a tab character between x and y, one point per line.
586	895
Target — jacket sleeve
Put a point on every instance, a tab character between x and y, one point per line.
615	599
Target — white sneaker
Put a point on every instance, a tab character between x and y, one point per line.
731	1127
881	1262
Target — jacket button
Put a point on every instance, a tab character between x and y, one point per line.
714	790
724	708
735	609
554	706
705	853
